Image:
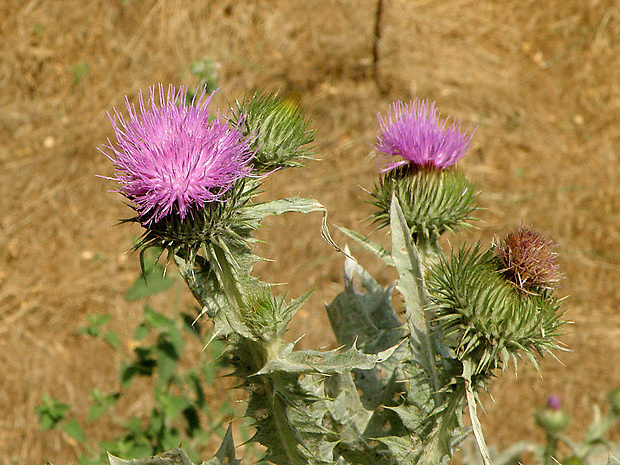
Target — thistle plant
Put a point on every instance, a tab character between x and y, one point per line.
395	390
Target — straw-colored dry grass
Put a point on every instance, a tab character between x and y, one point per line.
540	79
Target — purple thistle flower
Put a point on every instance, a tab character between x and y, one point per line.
171	159
414	132
554	403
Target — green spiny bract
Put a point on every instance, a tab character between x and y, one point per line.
225	222
482	315
277	130
432	201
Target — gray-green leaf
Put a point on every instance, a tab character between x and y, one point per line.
175	456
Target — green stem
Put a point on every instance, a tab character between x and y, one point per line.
233	294
551	447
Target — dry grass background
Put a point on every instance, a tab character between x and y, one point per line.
541	79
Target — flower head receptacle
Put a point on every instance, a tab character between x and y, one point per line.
414	132
432	201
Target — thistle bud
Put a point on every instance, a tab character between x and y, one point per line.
484	318
277	129
552	418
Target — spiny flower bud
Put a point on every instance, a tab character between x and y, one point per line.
552	418
278	131
529	260
432	201
484	318
267	316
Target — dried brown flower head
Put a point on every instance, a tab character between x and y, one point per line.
529	260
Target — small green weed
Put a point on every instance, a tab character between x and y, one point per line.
181	413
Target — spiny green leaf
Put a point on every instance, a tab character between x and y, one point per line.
277	207
411	286
173	457
225	455
407	260
363	312
319	362
363	315
403	448
369	245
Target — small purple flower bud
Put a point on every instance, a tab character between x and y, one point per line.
554	403
528	259
551	417
414	132
170	159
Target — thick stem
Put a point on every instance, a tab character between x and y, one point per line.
551	447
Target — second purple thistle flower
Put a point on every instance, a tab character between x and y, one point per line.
170	159
415	132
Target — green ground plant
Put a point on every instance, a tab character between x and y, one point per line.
182	412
